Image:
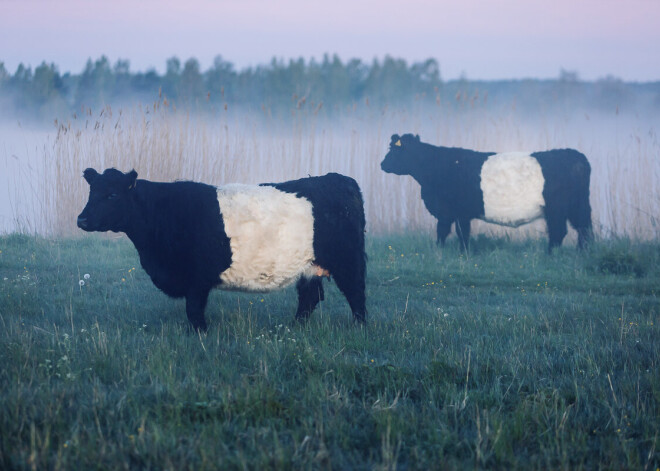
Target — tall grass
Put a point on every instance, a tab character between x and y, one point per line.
163	143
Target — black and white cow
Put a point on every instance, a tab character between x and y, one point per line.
509	189
192	237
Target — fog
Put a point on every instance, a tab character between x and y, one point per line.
22	153
41	166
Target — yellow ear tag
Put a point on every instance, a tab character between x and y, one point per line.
398	143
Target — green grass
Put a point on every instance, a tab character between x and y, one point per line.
506	358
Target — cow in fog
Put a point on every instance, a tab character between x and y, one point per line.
509	189
192	237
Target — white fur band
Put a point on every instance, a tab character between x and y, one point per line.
512	184
271	235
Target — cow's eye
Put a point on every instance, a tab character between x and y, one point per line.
112	196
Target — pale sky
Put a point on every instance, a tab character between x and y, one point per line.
473	38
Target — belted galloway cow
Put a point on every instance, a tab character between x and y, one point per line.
509	189
193	237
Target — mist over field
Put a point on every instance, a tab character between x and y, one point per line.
42	163
501	357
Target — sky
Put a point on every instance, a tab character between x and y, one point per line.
474	39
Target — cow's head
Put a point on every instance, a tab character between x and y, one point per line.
109	204
402	151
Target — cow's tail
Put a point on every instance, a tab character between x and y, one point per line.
580	212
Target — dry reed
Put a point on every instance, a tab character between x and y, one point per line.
165	144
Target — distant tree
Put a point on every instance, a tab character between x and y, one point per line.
5	97
248	90
19	87
22	76
47	91
122	79
220	80
611	93
96	84
335	80
172	77
389	81
568	76
284	83
46	84
191	84
426	74
146	85
566	92
357	74
4	75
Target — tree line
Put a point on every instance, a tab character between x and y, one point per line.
280	85
276	84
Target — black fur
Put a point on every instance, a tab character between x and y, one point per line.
339	225
179	233
450	180
567	175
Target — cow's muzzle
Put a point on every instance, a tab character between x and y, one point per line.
82	222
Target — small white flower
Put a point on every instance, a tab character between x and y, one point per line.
81	282
86	276
446	314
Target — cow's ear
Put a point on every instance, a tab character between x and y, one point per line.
396	140
132	178
90	175
417	137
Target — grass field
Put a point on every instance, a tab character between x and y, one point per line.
506	358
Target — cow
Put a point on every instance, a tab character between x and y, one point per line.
509	189
192	237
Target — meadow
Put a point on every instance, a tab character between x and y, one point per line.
503	358
506	358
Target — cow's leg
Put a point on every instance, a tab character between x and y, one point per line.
556	222
463	232
195	305
351	282
579	216
443	229
585	236
310	293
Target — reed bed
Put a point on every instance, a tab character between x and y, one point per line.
165	144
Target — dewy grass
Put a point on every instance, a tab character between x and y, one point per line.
504	358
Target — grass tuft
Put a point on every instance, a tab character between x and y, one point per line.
618	258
